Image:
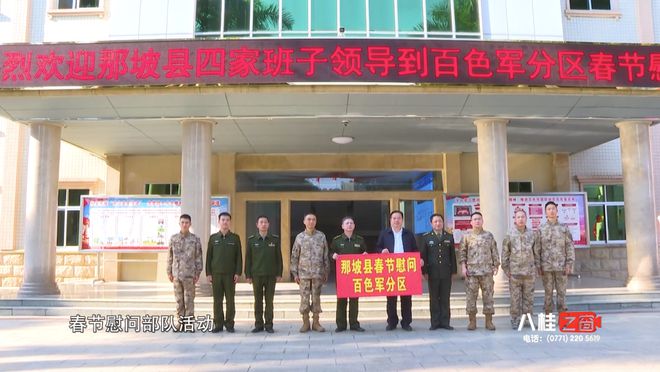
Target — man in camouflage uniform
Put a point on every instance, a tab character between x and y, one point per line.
557	256
439	257
479	261
263	268
519	257
347	243
224	265
310	265
184	265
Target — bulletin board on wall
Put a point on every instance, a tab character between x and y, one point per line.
133	223
572	208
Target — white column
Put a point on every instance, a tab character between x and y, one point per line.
41	211
494	182
196	178
638	197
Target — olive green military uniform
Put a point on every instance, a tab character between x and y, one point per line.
342	244
184	264
439	257
223	261
556	255
263	264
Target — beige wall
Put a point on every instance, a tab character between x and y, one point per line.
460	174
538	168
139	170
127	174
13	182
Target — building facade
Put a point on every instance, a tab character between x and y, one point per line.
260	142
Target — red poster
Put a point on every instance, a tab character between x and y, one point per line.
391	274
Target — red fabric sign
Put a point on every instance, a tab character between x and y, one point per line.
367	275
259	61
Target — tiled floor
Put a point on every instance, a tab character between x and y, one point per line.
627	341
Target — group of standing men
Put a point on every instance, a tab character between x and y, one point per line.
224	266
547	252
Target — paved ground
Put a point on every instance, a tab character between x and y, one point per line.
626	341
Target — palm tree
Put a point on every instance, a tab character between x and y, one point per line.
466	15
207	18
265	17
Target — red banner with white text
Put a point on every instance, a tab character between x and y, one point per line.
367	275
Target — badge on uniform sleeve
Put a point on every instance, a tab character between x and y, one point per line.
356	245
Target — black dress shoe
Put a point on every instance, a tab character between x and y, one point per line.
257	329
270	330
406	328
448	327
357	329
340	329
230	329
216	329
390	327
433	328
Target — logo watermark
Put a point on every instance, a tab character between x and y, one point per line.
575	326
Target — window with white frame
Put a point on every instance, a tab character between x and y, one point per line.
68	217
606	213
440	19
78	4
162	189
590	4
520	186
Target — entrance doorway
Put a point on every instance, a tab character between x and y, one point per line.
370	218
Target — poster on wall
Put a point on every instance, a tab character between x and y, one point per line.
572	208
135	223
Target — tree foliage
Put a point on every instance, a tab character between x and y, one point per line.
265	17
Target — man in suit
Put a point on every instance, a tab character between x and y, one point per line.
396	240
439	257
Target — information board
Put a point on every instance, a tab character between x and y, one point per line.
572	208
135	223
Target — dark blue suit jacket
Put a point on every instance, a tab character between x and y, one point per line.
386	240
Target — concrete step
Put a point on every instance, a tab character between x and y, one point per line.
286	305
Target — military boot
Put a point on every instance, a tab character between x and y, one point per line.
473	322
305	326
316	325
489	322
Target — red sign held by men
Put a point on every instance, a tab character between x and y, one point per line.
367	275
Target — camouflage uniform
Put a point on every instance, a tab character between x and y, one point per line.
184	264
479	252
310	264
519	257
556	255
